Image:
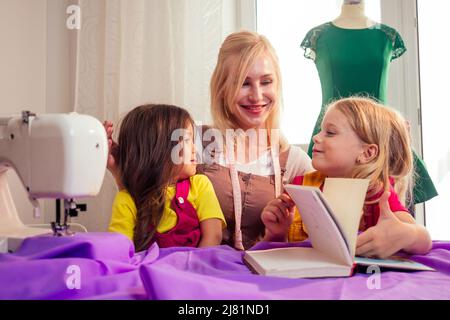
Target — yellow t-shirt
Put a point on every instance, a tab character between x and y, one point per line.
201	196
297	230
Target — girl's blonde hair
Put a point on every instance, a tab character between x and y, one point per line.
377	124
237	54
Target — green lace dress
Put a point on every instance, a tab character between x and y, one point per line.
356	62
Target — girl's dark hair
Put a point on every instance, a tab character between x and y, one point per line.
145	164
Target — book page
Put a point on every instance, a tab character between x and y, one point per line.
294	262
393	262
346	199
323	232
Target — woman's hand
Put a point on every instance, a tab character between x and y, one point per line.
277	217
392	233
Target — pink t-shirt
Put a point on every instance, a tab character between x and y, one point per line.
372	211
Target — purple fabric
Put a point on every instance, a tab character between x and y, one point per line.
110	269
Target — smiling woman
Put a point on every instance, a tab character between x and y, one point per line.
255	97
247	76
246	98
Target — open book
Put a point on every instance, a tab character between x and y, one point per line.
332	221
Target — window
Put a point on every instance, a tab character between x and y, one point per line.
434	70
285	23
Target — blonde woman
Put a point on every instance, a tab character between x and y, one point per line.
360	138
248	160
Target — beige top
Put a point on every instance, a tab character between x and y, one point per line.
256	192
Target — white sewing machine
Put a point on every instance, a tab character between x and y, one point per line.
59	156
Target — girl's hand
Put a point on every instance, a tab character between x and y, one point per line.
277	217
112	154
211	231
112	146
388	236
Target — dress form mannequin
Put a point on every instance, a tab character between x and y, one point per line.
353	16
352	55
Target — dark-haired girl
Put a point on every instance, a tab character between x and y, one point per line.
161	198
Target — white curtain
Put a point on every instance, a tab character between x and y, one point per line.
130	52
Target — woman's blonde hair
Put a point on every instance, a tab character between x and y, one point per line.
377	124
237	54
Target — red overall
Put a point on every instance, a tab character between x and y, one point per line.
186	232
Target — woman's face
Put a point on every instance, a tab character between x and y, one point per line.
257	96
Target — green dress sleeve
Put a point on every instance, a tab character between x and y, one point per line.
398	46
310	40
308	46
